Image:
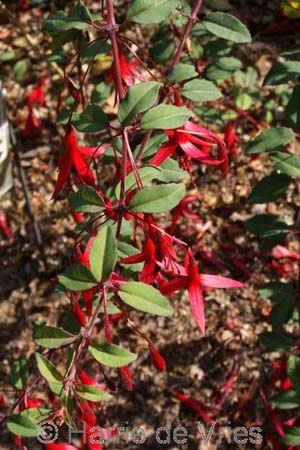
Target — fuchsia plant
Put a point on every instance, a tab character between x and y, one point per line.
126	255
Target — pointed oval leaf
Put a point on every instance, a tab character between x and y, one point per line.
86	199
270	140
103	254
276	342
287	163
292	436
19	373
182	72
156	199
269	188
145	298
146	173
91	393
282	72
51	337
48	370
226	26
111	355
91	120
150	11
293	371
287	400
77	278
165	117
292	110
201	91
267	225
21	426
139	98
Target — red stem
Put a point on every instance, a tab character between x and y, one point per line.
188	29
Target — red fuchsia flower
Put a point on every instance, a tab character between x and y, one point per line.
183	210
4	227
280	374
192	141
25	5
231	139
279	251
74	157
60	447
195	405
129	71
126	377
195	282
148	256
37	94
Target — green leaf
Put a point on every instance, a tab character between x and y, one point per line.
91	120
145	298
50	337
217	48
156	199
48	370
20	69
19	373
292	110
269	140
165	117
226	26
222	68
277	291
201	91
21	426
59	22
287	400
282	72
171	172
267	225
81	12
103	254
138	99
287	163
150	11
270	188
91	393
111	355
182	72
154	143
292	436
243	100
77	278
86	199
146	173
281	313
100	93
293	371
275	341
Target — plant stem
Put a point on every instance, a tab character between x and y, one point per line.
187	32
111	21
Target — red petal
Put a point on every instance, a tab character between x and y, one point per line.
176	284
216	281
60	447
65	165
158	360
197	303
162	154
94	152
